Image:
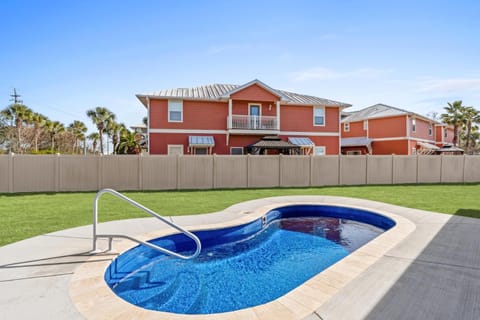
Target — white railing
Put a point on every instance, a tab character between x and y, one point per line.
252	122
148	244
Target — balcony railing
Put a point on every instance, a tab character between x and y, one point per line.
252	122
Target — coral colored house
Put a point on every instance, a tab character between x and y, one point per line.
229	119
382	129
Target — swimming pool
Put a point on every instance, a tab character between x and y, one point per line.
246	265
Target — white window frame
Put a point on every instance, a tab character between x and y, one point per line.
346	126
430	129
174	146
174	104
414	125
354	153
231	149
316	151
365	124
315	108
195	149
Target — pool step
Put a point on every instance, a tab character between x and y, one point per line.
187	294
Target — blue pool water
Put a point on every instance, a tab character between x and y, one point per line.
243	266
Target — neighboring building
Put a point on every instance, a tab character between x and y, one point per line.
233	119
382	129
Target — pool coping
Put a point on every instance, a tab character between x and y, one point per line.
94	299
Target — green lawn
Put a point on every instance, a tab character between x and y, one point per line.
26	215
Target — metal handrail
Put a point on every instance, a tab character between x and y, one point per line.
152	213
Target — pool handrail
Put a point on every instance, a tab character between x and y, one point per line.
147	210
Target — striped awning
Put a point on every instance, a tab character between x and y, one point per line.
301	142
201	141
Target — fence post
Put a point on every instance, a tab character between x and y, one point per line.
248	170
140	171
11	168
464	161
280	180
56	167
214	167
339	170
178	172
393	169
416	180
311	171
99	172
441	168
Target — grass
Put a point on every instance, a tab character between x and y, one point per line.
26	215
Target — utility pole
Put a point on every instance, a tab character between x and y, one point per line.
15	97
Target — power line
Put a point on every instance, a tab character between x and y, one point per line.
15	97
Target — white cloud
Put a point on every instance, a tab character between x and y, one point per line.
321	73
449	86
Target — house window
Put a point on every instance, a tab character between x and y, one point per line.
346	127
354	153
175	149
445	132
236	150
175	111
200	150
414	125
365	124
430	130
319	151
318	116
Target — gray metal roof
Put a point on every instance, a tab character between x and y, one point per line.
356	142
205	141
375	111
223	91
302	141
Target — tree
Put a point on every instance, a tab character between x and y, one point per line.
101	117
470	117
78	129
54	128
94	138
128	143
454	117
114	131
38	120
18	114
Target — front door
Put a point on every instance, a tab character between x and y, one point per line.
254	116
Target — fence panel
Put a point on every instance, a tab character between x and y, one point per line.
159	172
34	173
353	170
295	171
230	171
472	169
379	170
5	173
404	169
325	171
263	171
120	172
195	172
429	169
78	173
452	169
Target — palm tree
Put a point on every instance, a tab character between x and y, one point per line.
78	129
94	136
128	143
101	117
470	117
115	130
39	122
454	117
54	128
18	114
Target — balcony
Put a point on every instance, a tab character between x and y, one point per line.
255	124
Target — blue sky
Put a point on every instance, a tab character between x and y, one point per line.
65	57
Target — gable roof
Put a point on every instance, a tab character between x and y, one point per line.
381	110
222	92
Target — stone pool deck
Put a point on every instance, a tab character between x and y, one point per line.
433	273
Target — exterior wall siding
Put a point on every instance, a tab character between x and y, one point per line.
390	147
300	118
254	92
387	127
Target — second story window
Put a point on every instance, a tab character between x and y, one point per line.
430	129
445	132
175	111
346	127
365	124
318	116
414	125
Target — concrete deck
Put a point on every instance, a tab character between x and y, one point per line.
434	273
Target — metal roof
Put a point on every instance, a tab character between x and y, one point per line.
302	142
223	91
427	145
375	111
204	141
271	142
356	142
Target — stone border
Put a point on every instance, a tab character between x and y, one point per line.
95	300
